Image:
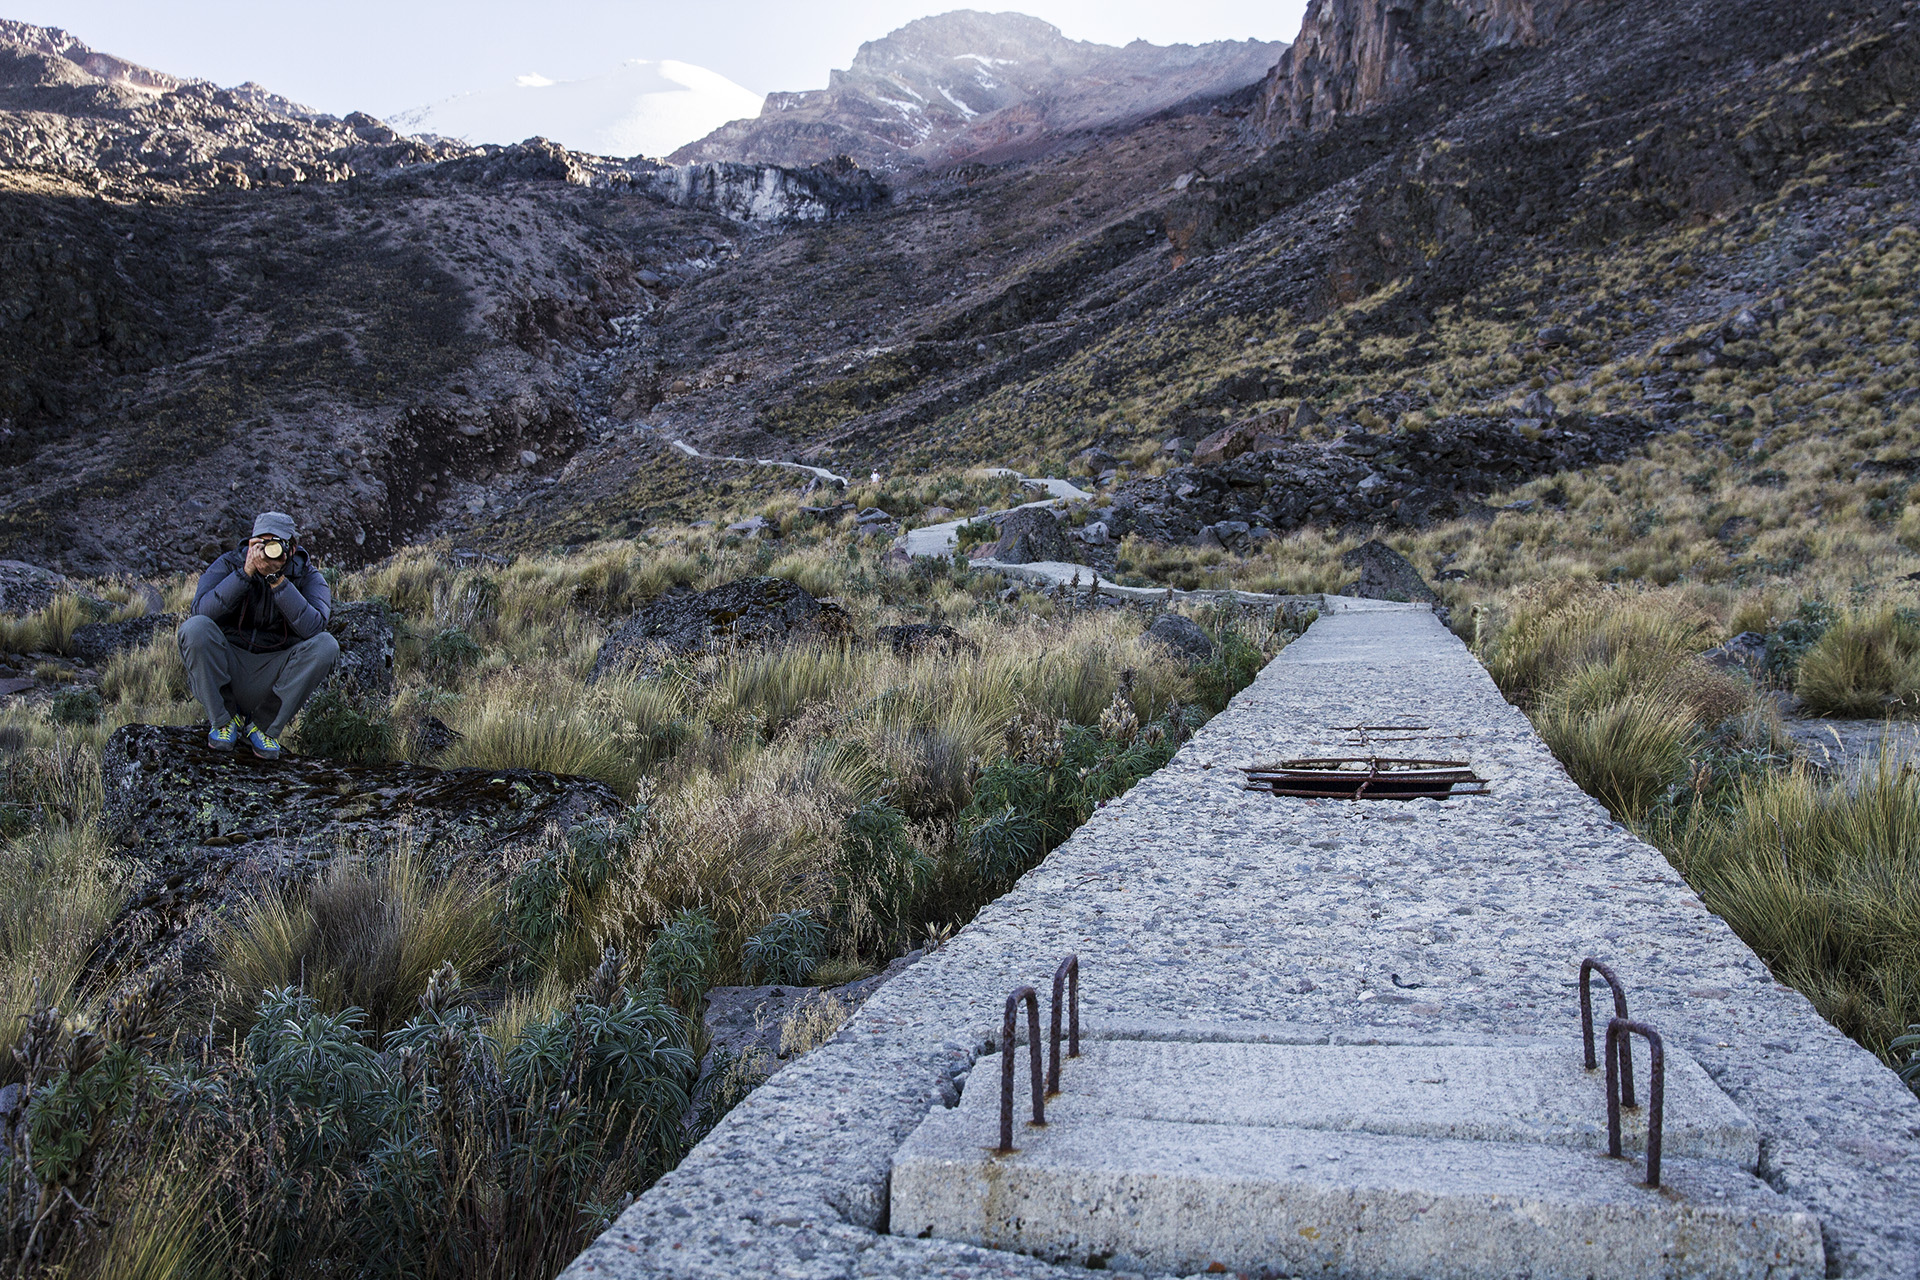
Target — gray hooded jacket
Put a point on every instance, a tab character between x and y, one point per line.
256	618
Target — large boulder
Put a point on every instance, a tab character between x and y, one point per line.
207	830
1029	535
1226	444
27	588
1385	574
166	789
748	613
913	637
364	629
96	642
1182	637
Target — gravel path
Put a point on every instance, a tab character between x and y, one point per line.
821	472
1191	901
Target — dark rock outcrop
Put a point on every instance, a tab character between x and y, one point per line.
165	789
27	588
211	830
1406	479
1029	535
1385	574
749	613
96	642
1353	55
364	629
913	637
1745	653
752	1021
1224	445
1181	636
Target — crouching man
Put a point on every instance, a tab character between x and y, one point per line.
257	644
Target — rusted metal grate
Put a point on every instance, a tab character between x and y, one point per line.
1366	778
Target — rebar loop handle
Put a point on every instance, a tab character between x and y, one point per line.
1618	1030
1032	998
1068	976
1588	968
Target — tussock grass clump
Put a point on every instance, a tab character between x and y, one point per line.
541	719
1823	880
1864	667
1616	689
146	676
363	937
1624	752
62	893
47	630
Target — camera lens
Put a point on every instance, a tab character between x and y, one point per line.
272	550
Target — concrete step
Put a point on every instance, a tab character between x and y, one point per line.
1528	1093
1158	1196
1364	1161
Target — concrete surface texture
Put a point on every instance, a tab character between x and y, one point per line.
1178	1156
1484	1093
1183	1199
1199	910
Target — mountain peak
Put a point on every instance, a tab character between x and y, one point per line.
968	84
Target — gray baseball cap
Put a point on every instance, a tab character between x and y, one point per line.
273	524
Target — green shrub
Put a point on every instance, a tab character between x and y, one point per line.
1234	665
975	532
683	956
342	723
1789	641
428	1151
1908	1046
449	653
1023	808
785	949
879	874
75	706
550	895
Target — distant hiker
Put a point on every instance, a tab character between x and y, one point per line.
257	644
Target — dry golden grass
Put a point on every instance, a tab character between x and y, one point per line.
362	936
1823	880
62	893
817	1021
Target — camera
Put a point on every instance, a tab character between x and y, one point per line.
273	548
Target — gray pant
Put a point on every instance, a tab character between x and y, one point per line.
267	688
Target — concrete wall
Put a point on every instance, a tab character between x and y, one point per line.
1190	901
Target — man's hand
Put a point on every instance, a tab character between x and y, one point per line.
258	566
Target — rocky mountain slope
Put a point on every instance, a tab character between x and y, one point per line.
1354	56
1583	227
980	86
213	299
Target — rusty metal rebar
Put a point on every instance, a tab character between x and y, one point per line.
1588	968
1618	1030
1068	976
1032	998
1372	777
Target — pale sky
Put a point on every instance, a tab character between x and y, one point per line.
358	55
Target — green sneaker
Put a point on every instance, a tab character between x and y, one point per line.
227	735
264	745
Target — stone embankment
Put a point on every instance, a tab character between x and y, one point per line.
1211	917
